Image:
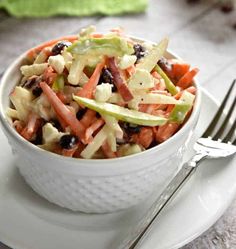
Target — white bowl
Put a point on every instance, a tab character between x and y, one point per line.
94	186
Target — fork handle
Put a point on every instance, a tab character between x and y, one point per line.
167	195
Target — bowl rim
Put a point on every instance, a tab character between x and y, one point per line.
93	163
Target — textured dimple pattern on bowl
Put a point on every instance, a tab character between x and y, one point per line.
98	194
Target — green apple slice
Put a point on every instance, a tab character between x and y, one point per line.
180	111
169	85
121	113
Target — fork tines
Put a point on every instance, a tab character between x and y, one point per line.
223	127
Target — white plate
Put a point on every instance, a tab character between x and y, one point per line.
28	221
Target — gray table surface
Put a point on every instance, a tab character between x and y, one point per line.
199	33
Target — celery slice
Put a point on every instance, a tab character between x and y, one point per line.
97	142
121	113
169	85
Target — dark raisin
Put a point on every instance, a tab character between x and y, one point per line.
114	88
39	137
139	51
164	64
106	76
227	7
234	26
59	47
98	115
80	113
68	141
37	90
131	128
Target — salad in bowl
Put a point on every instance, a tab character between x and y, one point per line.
98	122
101	95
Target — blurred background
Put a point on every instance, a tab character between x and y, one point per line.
202	32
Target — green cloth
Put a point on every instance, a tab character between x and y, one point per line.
46	8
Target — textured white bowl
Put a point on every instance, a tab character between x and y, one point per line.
94	186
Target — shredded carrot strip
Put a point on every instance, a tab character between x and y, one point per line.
88	118
69	152
148	108
64	113
107	150
187	79
18	125
61	121
179	69
170	108
166	131
49	75
89	87
130	70
97	35
80	148
62	96
144	137
32	126
92	128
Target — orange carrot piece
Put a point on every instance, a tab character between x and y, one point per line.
89	87
66	115
148	108
192	89
61	121
49	75
97	35
178	95
92	128
34	51
145	137
88	118
107	150
130	70
69	152
32	126
169	108
187	79
179	69
62	96
80	148
166	131
18	125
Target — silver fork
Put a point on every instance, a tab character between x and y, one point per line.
209	145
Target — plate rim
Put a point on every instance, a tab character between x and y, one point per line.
201	229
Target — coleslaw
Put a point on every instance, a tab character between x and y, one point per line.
101	95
